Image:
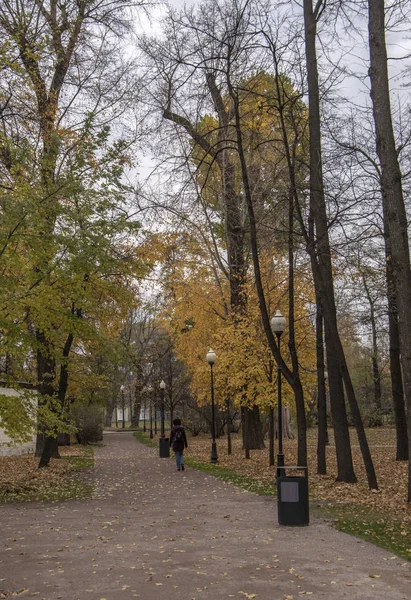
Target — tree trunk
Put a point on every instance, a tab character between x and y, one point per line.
321	395
48	451
297	387
322	270
397	390
271	429
227	404
359	426
246	435
392	195
46	446
377	417
323	275
255	430
135	418
395	358
109	417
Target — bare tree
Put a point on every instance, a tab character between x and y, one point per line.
395	217
320	252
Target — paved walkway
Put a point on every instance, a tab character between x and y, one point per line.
155	534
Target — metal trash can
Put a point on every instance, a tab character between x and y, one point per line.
293	505
164	447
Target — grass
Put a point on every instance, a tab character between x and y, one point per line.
144	439
56	483
369	525
242	481
67	490
80	463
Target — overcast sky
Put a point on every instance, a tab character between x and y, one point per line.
399	44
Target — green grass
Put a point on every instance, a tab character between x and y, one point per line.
246	483
144	439
364	523
80	463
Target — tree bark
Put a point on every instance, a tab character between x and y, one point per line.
296	386
138	391
322	270
229	445
109	417
397	389
46	446
395	217
395	362
321	395
255	433
377	417
271	430
246	432
323	276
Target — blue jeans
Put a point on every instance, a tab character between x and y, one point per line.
179	458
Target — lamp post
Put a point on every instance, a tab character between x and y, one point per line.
155	417
162	388
149	390
211	358
144	414
123	408
278	327
164	447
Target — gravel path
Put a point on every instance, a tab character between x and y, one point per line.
155	534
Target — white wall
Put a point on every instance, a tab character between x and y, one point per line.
16	449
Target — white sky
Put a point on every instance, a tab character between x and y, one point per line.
399	44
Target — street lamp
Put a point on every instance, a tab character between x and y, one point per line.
164	447
211	358
278	327
149	390
155	416
162	388
123	408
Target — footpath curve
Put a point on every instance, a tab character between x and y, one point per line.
153	533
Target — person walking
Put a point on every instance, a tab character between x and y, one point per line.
178	441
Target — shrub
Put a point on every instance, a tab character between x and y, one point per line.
89	423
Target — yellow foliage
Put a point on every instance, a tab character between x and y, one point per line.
245	369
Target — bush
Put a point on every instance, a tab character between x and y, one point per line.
89	423
194	427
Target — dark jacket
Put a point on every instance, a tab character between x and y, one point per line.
178	446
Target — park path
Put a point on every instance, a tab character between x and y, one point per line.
155	534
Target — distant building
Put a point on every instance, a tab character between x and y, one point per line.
118	411
9	448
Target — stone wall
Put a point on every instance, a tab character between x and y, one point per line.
15	449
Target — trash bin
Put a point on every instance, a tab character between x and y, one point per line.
293	506
164	447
